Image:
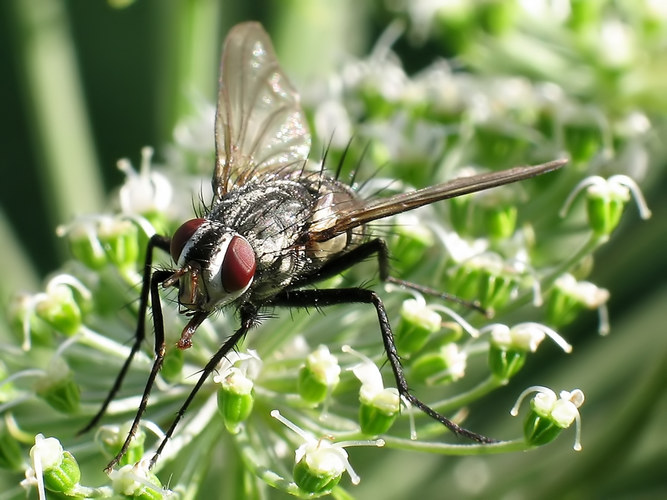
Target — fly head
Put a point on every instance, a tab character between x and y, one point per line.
215	265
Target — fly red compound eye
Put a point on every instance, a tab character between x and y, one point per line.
182	236
238	267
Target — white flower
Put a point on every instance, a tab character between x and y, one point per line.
144	192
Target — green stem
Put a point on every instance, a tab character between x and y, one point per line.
457	449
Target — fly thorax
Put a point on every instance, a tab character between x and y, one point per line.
216	265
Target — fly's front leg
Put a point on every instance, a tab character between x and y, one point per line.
248	319
158	322
320	298
156	241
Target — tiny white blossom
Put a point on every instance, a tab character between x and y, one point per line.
372	390
616	187
562	410
526	336
323	456
325	364
145	192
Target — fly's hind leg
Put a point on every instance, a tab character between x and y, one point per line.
320	298
379	248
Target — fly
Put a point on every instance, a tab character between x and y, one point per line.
274	226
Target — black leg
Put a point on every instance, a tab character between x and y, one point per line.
158	321
248	319
378	247
320	298
156	241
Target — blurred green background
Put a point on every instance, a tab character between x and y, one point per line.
85	83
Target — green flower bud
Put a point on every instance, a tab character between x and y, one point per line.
605	201
569	296
465	280
410	241
583	140
379	406
120	241
550	414
504	363
605	208
417	323
446	365
59	468
495	289
59	389
137	481
84	244
319	376
112	438
59	309
320	467
509	346
539	430
319	463
501	221
235	398
29	327
377	412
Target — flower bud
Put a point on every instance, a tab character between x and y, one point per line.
378	411
487	279
509	346
605	207
59	468
137	481
120	239
319	463
112	438
59	309
59	389
235	398
569	296
26	324
417	323
446	365
605	201
319	376
379	406
410	241
500	221
550	414
84	244
319	466
495	289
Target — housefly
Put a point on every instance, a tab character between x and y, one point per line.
274	225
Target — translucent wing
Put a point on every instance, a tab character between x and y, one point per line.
259	124
354	216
